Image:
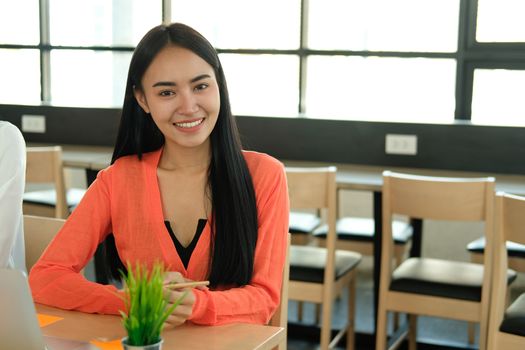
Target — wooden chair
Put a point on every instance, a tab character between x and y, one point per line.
302	226
44	165
516	262
434	287
280	317
357	234
507	325
38	232
319	275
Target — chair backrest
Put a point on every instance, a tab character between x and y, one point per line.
509	226
44	165
280	317
437	198
38	232
316	188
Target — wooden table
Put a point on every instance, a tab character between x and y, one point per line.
238	336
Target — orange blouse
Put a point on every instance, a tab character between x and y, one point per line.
125	200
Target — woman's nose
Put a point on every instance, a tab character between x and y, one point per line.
187	103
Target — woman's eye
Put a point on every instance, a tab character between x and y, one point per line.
201	87
166	93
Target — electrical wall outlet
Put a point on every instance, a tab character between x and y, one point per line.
34	123
401	144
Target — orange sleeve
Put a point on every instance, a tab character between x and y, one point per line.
56	279
257	301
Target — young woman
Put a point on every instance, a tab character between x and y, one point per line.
179	190
12	182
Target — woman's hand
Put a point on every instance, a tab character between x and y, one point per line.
183	311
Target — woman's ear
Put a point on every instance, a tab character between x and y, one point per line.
141	99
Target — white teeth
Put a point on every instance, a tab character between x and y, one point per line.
189	125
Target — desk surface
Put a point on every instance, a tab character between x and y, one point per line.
86	327
349	176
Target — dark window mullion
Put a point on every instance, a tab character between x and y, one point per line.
464	76
166	11
45	62
303	57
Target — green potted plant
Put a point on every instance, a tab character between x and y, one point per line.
146	308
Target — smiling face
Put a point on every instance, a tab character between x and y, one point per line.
180	91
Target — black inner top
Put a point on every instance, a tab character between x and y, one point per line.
185	252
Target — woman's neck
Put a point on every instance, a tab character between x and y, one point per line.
184	158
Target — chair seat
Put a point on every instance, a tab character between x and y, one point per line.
48	197
513	249
362	229
307	263
303	223
441	278
514	319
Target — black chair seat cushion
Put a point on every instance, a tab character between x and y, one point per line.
307	263
49	197
441	278
513	249
362	229
303	222
514	319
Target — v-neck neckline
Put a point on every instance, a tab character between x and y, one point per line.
169	251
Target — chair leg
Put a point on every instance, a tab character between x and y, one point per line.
326	324
399	253
350	330
395	317
317	313
412	332
471	331
381	327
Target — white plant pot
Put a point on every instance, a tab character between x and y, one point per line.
156	346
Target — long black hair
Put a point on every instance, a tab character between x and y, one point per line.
234	212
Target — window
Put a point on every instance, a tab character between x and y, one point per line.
417	90
498	97
379	25
373	60
20	72
19	23
102	22
500	21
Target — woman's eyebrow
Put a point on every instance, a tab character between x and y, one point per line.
171	83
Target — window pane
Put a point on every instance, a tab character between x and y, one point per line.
497	97
384	25
19	23
234	24
271	91
88	78
20	76
500	21
102	22
389	89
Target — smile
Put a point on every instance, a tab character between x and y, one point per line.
187	125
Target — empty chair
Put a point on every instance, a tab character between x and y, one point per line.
507	325
317	274
516	261
435	287
44	165
38	232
